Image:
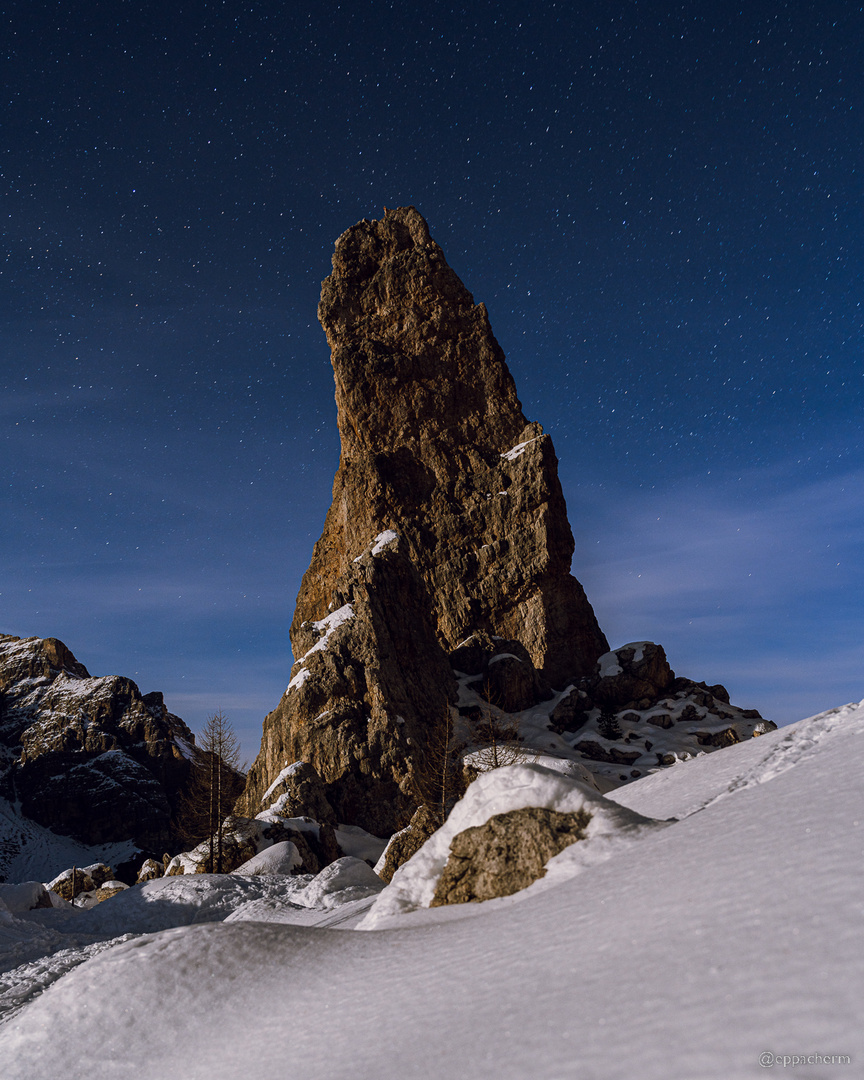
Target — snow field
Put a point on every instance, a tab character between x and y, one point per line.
686	955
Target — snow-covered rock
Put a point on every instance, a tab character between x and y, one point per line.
498	792
27	896
282	858
80	879
150	869
347	875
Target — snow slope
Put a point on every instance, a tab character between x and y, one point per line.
30	851
729	934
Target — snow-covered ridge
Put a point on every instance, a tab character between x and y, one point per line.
696	948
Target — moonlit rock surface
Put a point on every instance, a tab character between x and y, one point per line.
437	529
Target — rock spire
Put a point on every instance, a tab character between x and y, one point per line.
436	448
447	521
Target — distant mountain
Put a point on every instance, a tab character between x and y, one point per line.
90	758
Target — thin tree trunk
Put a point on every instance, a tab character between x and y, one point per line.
212	821
219	814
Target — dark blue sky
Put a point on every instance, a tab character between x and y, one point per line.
660	204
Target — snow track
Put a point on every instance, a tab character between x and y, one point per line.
22	984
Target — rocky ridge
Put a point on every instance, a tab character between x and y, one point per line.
92	758
440	590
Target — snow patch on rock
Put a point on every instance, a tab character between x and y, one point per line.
288	771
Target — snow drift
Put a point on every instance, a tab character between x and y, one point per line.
692	952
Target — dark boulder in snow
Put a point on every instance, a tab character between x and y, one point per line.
507	676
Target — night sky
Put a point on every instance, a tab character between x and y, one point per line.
660	204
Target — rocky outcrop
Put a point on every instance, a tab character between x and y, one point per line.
506	676
447	519
149	870
506	854
84	879
633	715
435	447
439	597
299	791
245	838
370	680
406	842
91	758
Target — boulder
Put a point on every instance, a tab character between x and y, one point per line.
506	854
508	678
109	889
571	713
150	869
727	737
84	879
353	878
631	674
243	839
281	858
26	896
406	842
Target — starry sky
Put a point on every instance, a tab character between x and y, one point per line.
660	204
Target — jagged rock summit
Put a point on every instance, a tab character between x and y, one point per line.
442	576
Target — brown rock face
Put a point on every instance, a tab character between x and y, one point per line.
435	447
506	854
447	519
370	681
408	842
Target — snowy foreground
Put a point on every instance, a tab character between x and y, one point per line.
676	950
